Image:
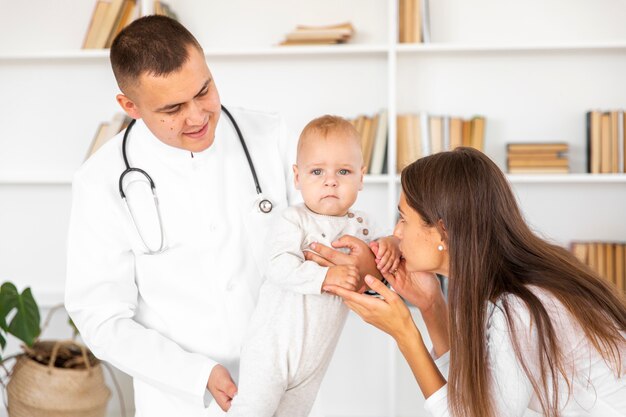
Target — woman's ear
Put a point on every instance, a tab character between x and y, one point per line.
443	232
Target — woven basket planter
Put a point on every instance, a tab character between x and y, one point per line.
37	390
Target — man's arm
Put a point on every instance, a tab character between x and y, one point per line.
101	297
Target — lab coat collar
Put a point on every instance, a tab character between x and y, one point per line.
171	153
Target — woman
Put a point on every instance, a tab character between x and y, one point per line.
528	325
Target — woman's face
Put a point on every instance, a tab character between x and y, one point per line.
419	242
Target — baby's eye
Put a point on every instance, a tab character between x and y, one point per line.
343	172
316	172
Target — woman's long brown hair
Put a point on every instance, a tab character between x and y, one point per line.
493	253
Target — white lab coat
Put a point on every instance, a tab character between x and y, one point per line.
167	319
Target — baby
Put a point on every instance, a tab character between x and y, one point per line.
295	328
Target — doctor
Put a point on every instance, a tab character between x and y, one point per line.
163	287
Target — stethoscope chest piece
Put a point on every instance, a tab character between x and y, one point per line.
265	206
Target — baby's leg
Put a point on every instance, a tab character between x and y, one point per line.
298	401
262	383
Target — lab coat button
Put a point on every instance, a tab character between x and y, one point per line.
366	232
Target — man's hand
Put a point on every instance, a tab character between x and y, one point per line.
221	386
344	276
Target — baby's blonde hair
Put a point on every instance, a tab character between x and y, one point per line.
321	127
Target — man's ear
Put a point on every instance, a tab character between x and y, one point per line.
296	178
128	106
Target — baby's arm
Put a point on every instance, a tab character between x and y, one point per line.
289	270
387	252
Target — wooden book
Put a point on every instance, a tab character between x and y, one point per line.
467	133
109	23
592	256
478	133
601	258
605	143
436	134
456	132
532	162
417	139
369	143
620	271
580	251
609	255
98	139
125	17
413	137
595	145
380	145
402	151
365	135
538	170
95	25
549	147
614	142
416	17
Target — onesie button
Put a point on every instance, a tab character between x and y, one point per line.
350	215
366	232
359	219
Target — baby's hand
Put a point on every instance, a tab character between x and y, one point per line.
387	251
345	276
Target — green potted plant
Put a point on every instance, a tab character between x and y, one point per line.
51	378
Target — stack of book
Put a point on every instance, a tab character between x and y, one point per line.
608	259
319	35
164	9
107	20
107	130
537	158
422	134
413	21
373	131
606	142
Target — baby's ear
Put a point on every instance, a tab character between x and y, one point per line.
296	178
363	172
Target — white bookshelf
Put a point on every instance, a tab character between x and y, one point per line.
532	68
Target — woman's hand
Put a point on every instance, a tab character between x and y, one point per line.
422	289
389	314
360	255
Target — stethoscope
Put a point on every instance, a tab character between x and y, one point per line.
265	205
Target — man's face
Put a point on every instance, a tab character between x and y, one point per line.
182	108
329	173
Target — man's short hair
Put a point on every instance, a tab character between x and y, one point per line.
157	45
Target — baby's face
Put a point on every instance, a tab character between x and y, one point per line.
329	173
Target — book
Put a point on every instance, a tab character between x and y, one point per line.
620	267
95	24
551	147
109	22
531	162
436	134
380	145
369	136
326	34
425	15
98	139
605	143
477	140
107	130
123	19
456	132
538	170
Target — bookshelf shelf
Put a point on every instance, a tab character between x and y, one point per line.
561	178
618	46
344	49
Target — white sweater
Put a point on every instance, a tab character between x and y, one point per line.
595	392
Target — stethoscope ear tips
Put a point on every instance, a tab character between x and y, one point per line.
265	206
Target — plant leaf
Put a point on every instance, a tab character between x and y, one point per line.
25	325
8	301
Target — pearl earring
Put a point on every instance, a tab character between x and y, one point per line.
440	248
